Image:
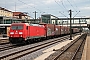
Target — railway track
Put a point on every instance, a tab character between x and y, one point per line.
79	51
7	46
22	51
72	51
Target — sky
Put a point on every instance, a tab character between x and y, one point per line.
58	8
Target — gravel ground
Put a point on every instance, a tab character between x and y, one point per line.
36	54
31	56
40	52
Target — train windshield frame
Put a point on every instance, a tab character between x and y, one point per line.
17	27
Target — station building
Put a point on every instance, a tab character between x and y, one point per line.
7	17
20	15
5	12
48	18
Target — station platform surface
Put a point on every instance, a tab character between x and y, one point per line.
3	38
86	51
50	51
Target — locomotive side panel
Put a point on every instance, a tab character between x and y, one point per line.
36	32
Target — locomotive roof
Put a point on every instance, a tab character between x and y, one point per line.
20	24
28	24
37	25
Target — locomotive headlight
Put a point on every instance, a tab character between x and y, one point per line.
21	36
11	36
11	32
20	33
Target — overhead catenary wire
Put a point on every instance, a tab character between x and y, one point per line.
72	5
60	6
75	4
74	8
63	4
77	8
76	14
57	3
29	5
63	14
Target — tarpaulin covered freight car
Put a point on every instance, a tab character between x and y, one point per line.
57	30
50	29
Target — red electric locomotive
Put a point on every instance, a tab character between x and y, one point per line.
21	32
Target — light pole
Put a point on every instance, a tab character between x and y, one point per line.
70	25
35	14
80	26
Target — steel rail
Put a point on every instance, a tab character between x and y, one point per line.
30	50
65	49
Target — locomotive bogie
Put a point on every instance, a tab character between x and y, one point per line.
16	40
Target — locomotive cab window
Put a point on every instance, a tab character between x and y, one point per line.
19	27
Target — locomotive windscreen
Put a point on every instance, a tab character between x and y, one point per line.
18	27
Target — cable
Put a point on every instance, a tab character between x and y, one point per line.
57	3
60	6
76	6
76	14
71	5
63	5
29	5
63	14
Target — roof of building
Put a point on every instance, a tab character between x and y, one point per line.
18	13
5	9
